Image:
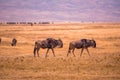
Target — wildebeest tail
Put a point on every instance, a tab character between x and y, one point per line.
69	49
35	50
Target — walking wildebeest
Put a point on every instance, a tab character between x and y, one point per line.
81	44
14	42
49	43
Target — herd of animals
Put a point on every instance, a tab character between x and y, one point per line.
51	43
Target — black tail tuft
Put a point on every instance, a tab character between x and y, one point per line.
35	51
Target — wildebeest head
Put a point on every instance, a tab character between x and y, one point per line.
60	43
93	43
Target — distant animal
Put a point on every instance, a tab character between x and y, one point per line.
0	40
49	43
81	44
14	42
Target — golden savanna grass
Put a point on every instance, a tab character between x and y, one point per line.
18	63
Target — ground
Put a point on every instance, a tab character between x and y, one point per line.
18	63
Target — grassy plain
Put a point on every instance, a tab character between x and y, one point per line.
18	63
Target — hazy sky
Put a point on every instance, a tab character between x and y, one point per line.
60	10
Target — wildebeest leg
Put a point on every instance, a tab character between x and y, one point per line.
69	51
11	44
73	52
67	54
53	52
88	51
47	53
81	51
38	52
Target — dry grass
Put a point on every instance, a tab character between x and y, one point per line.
18	63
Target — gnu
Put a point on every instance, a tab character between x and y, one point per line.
14	42
48	43
81	44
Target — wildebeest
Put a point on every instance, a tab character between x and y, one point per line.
49	43
81	44
14	42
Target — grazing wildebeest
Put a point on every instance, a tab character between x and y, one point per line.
81	44
14	42
49	43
